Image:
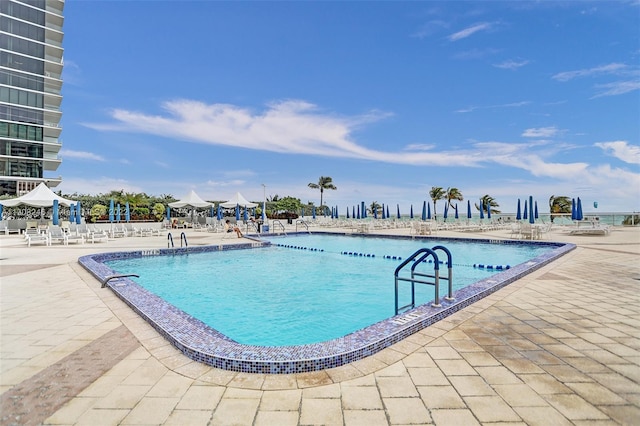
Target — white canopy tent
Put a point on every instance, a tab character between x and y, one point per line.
41	196
238	200
191	200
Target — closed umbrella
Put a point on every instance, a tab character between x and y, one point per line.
424	210
387	211
72	213
364	211
212	211
481	209
429	211
535	211
398	209
525	212
446	211
353	212
456	215
347	213
246	214
264	211
237	212
111	211
488	211
532	219
468	209
579	215
337	215
518	212
168	214
573	209
358	211
54	219
313	212
127	212
411	212
302	212
78	213
117	213
1	206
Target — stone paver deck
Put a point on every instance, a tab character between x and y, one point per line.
560	346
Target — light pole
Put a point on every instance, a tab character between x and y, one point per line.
264	202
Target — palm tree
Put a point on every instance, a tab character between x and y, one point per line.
375	207
487	200
453	194
324	182
436	193
559	204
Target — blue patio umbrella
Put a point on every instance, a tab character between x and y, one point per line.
446	211
237	212
481	209
387	211
246	214
411	212
384	215
72	213
573	209
468	209
488	211
525	211
358	212
375	212
424	210
313	212
456	215
535	210
518	212
364	211
347	213
398	209
117	213
264	211
212	211
1	206
337	216
429	211
54	219
532	219
579	215
127	212
168	214
112	211
78	213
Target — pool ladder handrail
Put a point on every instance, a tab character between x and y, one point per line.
273	225
183	237
417	258
302	222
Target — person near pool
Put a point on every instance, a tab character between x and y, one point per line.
230	228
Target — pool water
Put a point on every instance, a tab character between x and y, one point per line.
305	289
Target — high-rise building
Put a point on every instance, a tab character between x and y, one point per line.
30	93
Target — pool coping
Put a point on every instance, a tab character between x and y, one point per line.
202	343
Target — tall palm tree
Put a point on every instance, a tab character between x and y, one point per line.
487	200
324	182
436	193
375	207
453	194
559	204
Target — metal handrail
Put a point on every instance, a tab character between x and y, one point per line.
183	236
276	221
111	277
449	278
169	240
417	258
302	222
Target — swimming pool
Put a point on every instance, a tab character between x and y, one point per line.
207	344
305	288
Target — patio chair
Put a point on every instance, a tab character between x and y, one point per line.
37	238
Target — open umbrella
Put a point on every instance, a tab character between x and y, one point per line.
532	219
54	219
127	212
518	212
78	213
112	211
424	210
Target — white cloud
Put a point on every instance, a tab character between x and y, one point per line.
82	155
509	105
511	64
540	132
613	68
617	88
482	26
621	150
100	185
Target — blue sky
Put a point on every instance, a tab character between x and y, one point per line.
389	99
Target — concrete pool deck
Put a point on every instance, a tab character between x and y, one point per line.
559	346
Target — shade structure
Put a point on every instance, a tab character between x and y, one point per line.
54	218
78	213
525	213
112	211
118	217
518	212
40	196
532	219
481	209
411	212
579	215
468	209
424	210
168	214
456	207
127	212
488	211
191	200
398	211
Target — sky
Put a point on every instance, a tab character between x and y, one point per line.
389	99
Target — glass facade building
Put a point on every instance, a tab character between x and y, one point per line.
30	93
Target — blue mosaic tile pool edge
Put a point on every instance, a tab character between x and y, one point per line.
204	344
